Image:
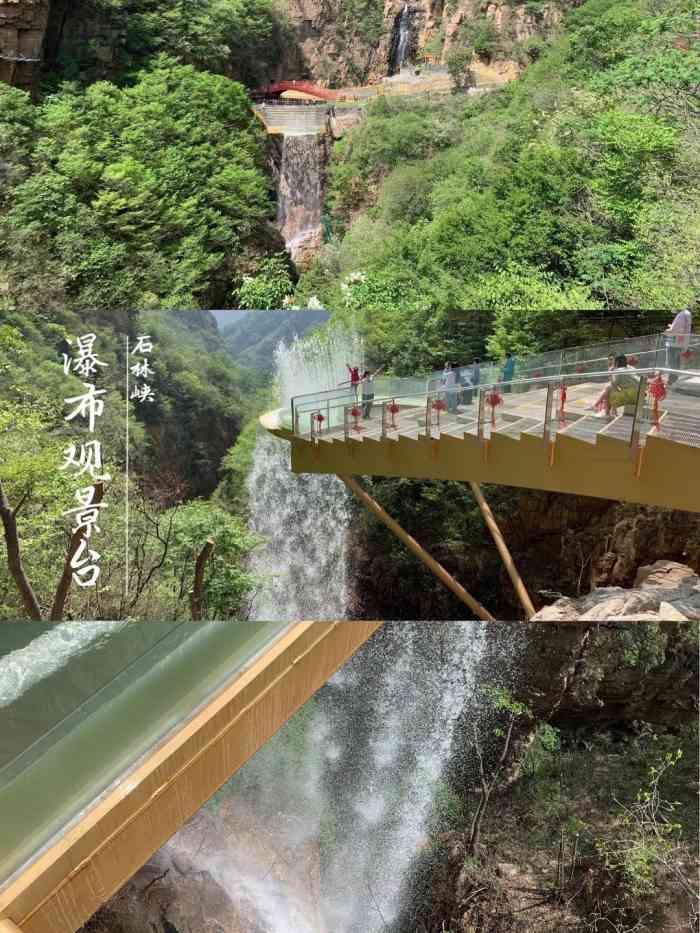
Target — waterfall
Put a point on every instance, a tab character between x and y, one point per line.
299	196
401	39
304	518
382	728
386	759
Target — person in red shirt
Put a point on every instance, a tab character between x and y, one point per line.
354	377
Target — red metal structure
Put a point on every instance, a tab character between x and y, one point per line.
313	90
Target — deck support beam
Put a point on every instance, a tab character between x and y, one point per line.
506	557
373	506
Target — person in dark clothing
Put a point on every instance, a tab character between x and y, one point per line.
476	373
368	391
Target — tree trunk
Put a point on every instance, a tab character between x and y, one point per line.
14	558
475	834
198	586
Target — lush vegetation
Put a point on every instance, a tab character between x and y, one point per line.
176	447
241	38
588	826
148	196
577	186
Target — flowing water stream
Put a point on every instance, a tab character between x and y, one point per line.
299	194
401	39
371	746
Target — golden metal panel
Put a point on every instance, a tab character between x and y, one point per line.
69	882
605	469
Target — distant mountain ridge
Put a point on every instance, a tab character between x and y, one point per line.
253	336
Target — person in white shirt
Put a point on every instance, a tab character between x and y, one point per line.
449	385
678	339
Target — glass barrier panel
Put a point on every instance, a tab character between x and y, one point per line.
75	719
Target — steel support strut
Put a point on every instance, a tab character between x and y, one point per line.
508	562
416	549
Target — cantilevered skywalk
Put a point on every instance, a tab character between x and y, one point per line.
112	735
570	421
539	431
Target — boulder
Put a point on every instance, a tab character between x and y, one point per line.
665	591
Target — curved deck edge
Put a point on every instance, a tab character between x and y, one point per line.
272	422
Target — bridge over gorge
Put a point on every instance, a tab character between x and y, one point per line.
115	734
539	431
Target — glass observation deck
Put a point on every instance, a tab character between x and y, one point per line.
551	394
81	704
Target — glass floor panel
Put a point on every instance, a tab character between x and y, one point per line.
80	703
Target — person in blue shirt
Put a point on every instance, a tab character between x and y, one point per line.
508	373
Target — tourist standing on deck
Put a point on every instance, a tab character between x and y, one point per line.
677	340
448	384
476	373
354	378
368	391
467	391
508	372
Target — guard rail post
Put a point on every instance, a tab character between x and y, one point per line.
635	437
547	439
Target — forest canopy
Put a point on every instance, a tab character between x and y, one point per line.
575	187
176	448
152	195
240	38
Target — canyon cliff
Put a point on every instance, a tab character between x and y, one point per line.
342	46
330	41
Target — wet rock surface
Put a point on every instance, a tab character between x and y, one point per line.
224	872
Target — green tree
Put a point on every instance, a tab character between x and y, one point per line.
146	196
241	38
483	36
458	62
527	305
269	287
227	583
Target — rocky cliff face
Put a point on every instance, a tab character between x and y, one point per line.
563	545
342	45
22	34
663	592
222	873
338	42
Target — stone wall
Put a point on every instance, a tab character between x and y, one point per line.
22	33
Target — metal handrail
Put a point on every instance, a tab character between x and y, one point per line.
660	337
550	381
